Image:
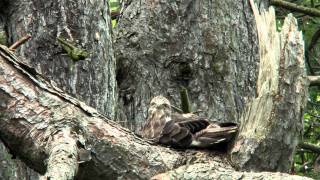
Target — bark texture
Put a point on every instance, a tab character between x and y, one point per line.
209	47
36	118
214	171
87	23
14	169
35	114
272	124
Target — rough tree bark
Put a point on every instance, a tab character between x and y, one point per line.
272	124
49	129
209	47
87	23
60	136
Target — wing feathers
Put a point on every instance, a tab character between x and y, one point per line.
215	134
190	121
178	136
184	130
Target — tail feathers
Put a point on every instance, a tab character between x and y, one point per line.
214	135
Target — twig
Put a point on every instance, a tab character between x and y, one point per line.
20	42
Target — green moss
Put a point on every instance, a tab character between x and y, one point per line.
218	67
185	102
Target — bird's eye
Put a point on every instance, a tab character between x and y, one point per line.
166	105
153	104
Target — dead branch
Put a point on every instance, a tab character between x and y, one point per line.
20	42
272	123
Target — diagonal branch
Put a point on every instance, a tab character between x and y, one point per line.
56	134
48	129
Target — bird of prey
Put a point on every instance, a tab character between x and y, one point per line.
183	130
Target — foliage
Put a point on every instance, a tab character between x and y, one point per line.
114	8
304	160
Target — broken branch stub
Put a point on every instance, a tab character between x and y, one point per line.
272	123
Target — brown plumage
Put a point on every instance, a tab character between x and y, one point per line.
183	130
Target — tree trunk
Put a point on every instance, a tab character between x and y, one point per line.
87	23
59	136
209	47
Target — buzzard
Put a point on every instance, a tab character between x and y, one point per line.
184	130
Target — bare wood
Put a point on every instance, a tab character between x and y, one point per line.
20	42
272	123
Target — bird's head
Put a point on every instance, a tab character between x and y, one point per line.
159	103
159	114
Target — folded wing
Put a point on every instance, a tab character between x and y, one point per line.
180	130
214	134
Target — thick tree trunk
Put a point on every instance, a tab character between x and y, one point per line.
44	127
209	47
272	124
87	23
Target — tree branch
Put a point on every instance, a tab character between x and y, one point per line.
211	171
41	124
20	42
296	8
314	80
310	147
311	45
